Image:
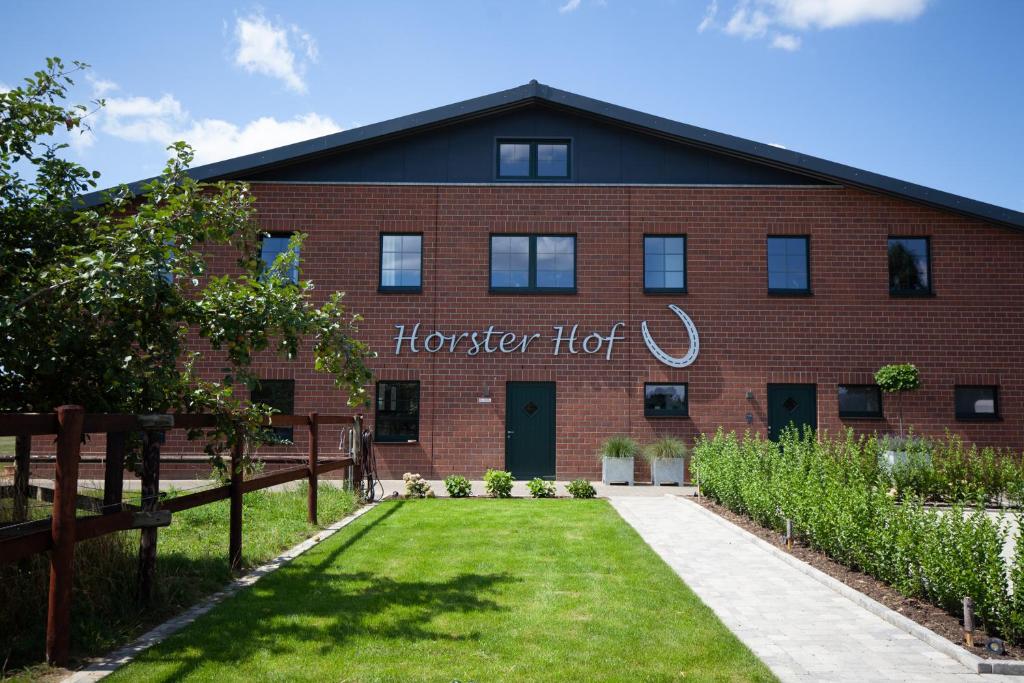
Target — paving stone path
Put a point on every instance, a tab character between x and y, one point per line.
802	629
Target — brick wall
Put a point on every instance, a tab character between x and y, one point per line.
971	331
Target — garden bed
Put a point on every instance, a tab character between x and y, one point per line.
927	615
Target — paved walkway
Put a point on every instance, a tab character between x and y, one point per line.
800	628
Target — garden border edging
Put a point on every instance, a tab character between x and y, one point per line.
943	645
105	666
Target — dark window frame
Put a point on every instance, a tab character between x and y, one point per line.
686	269
785	291
978	417
533	142
686	400
279	234
390	289
390	438
861	414
284	433
899	293
532	287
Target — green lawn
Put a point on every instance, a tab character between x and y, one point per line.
466	590
6	445
191	563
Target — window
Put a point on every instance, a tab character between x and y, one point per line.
860	400
665	400
533	263
910	266
279	394
976	403
789	265
665	264
533	159
401	263
398	411
272	246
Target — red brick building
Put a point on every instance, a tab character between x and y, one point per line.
507	252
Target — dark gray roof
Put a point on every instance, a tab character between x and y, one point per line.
538	93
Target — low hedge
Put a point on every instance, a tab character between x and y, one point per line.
841	502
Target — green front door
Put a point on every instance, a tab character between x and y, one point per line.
530	429
791	404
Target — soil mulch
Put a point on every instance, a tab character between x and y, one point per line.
929	616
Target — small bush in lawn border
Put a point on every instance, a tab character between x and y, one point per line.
498	483
581	488
416	486
540	488
458	486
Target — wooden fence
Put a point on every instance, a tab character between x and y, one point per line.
64	528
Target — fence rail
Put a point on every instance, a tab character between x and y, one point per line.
65	528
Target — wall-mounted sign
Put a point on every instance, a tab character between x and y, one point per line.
564	339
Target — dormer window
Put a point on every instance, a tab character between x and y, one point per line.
533	159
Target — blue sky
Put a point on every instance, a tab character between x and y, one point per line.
924	90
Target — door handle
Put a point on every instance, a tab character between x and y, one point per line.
509	432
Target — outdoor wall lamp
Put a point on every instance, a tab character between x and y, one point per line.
485	396
750	395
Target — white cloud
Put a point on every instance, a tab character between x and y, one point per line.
709	17
786	41
779	19
215	140
570	6
265	48
100	86
4	87
164	120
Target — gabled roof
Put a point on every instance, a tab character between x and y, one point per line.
537	93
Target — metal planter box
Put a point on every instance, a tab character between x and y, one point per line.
617	471
667	471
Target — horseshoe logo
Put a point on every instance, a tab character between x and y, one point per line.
672	361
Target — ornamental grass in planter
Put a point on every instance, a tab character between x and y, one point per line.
667	456
617	454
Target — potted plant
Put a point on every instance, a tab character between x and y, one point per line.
898	379
667	456
617	454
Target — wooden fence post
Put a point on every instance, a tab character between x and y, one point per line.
235	532
314	447
150	474
22	455
62	530
113	473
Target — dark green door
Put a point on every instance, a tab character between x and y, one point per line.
791	403
530	429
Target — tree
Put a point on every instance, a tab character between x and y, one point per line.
898	379
96	303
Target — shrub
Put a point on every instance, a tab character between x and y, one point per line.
842	502
667	447
581	488
618	447
540	488
416	486
457	486
498	483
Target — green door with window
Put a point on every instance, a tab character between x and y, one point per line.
791	404
530	429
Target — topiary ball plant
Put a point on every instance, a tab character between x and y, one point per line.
665	448
618	447
898	378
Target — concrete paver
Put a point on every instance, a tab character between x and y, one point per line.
799	627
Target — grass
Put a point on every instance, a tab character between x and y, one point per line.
191	563
463	590
6	445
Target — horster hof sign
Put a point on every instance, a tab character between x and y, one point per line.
565	339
